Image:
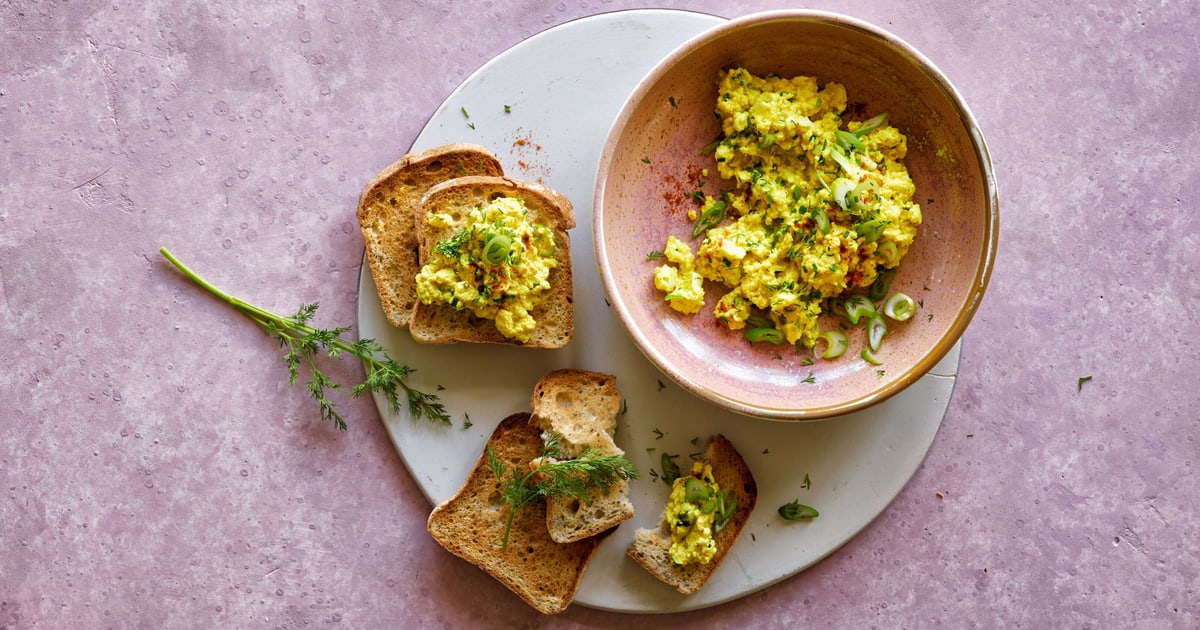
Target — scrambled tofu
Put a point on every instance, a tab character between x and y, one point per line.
679	280
815	210
497	266
690	522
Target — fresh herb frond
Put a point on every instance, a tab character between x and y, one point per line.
573	477
452	247
591	469
303	343
494	462
551	445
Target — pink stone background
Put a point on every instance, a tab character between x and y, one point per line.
156	471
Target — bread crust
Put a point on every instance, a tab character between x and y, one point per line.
470	525
387	211
651	547
555	317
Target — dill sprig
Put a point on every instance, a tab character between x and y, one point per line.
303	343
573	477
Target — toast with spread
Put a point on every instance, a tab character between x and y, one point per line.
653	548
449	211
387	212
582	408
471	525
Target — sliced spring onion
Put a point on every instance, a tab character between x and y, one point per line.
836	343
866	189
797	194
869	357
887	250
820	178
838	156
899	307
836	305
711	147
876	329
871	229
883	282
711	216
871	124
726	506
758	321
822	219
840	188
795	511
766	140
848	141
858	307
696	491
769	335
496	249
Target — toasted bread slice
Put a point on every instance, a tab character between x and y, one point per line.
555	317
471	526
582	407
651	547
387	215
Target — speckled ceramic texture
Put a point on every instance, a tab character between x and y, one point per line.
654	154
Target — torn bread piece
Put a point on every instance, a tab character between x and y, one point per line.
652	548
387	212
582	408
466	295
471	525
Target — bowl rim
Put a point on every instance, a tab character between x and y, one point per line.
982	272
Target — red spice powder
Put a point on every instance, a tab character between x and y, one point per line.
679	188
525	150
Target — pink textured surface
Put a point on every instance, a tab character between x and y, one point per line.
156	470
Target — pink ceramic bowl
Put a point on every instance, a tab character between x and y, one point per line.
653	155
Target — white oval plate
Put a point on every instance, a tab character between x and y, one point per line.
544	107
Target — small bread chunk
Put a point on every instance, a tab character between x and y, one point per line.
651	547
582	407
387	213
470	525
555	317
